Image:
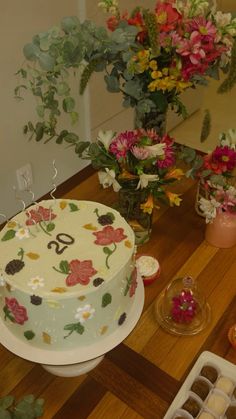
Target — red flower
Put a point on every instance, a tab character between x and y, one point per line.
112	23
40	214
222	159
167	17
184	307
80	272
19	312
109	235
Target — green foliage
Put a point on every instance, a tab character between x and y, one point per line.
62	53
206	126
27	408
230	80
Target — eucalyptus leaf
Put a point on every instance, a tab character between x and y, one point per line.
68	104
112	83
31	52
4	414
39	130
40	111
6	402
74	116
69	24
63	88
46	61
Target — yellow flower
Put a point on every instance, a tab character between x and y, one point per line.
165	71
156	74
174	173
174	198
147	206
182	85
153	65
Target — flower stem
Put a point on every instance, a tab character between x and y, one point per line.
109	254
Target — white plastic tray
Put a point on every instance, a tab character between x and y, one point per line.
227	368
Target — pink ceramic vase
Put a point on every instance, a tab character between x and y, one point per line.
222	232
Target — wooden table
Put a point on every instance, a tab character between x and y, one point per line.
140	377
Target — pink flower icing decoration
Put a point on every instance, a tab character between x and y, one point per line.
19	312
41	214
184	307
134	283
80	272
109	235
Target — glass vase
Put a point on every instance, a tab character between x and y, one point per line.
152	120
222	231
131	202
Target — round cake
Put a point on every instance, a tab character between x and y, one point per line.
67	273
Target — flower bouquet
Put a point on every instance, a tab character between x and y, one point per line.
139	164
213	170
219	211
150	56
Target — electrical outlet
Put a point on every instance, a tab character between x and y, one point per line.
24	177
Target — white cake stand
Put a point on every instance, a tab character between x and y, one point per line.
76	361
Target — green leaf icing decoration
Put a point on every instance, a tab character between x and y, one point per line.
29	334
10	234
8	314
73	207
74	327
50	227
64	266
106	299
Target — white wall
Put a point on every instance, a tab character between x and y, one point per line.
19	21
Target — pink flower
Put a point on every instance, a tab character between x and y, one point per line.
40	214
109	235
19	312
150	133
140	152
123	143
80	272
169	158
167	16
192	48
184	307
204	27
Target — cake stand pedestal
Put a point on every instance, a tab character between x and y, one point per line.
76	361
73	370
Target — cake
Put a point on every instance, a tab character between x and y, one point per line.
209	372
67	273
201	388
191	406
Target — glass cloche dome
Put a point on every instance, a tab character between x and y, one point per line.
181	309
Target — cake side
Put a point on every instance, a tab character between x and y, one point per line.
67	279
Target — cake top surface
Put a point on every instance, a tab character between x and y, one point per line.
64	247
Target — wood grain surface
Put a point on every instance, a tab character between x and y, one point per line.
141	376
